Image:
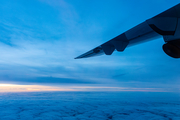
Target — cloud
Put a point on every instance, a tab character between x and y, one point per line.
89	105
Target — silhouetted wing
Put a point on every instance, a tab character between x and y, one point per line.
135	35
164	24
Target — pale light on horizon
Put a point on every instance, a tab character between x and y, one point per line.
29	88
41	88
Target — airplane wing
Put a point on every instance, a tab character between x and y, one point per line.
165	24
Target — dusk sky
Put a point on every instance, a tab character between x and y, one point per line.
39	40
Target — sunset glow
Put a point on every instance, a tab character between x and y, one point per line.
40	88
29	88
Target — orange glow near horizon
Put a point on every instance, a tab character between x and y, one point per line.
40	88
29	88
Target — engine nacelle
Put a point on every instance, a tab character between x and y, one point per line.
172	48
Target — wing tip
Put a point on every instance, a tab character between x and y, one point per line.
94	52
77	57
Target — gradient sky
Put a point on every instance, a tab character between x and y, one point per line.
40	38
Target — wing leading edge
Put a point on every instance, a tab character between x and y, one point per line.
163	25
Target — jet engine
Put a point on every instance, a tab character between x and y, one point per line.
172	48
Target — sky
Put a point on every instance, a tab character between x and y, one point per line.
40	38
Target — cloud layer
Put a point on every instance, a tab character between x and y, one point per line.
89	106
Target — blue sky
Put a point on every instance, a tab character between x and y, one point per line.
40	38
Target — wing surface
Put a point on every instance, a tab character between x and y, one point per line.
163	25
